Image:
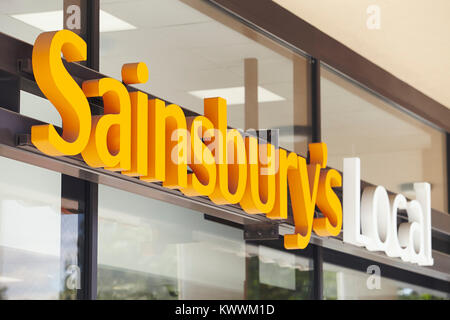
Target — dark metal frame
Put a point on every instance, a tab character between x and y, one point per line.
318	272
263	14
314	92
91	222
447	136
91	240
315	99
93	34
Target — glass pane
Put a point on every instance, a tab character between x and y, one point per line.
39	108
41	219
395	148
348	284
31	245
153	250
195	51
26	19
275	274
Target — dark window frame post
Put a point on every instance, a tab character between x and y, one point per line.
314	92
318	272
91	222
91	241
90	14
447	138
93	34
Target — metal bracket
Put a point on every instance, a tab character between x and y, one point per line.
23	140
25	66
261	231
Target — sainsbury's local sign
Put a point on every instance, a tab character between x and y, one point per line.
144	138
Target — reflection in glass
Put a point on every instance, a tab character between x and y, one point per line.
395	148
15	19
30	223
348	284
195	51
154	250
39	108
274	274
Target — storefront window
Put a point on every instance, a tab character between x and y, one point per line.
348	284
153	250
38	248
194	51
395	149
26	19
277	274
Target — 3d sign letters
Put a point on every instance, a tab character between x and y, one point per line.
375	214
151	141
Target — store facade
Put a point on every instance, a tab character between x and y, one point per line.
69	230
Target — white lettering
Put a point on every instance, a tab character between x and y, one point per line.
372	220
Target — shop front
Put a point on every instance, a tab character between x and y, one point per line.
299	174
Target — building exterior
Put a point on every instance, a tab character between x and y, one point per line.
70	230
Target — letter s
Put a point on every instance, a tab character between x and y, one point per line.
62	91
203	180
329	204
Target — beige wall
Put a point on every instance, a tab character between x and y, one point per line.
412	42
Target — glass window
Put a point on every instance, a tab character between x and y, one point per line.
38	243
152	250
195	51
347	284
149	249
26	19
396	149
39	108
274	274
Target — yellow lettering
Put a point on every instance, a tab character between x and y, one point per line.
227	145
285	164
203	180
259	196
63	92
167	151
109	143
329	204
303	186
147	139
